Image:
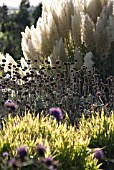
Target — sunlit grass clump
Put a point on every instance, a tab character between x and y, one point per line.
60	141
88	146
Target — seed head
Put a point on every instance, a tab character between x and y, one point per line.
5	154
56	112
22	152
98	154
13	163
40	149
10	104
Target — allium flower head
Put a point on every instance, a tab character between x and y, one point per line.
56	112
10	104
22	152
40	149
13	163
28	106
49	161
54	166
98	154
5	154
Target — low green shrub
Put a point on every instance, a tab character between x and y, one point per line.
100	130
63	143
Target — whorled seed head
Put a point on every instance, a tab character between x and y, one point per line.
22	152
56	112
5	154
10	104
98	154
40	149
13	163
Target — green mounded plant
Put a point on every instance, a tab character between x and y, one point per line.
63	142
100	130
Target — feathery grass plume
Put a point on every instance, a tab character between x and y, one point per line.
76	27
53	28
79	58
63	19
59	50
88	60
101	33
110	31
29	43
9	60
89	33
94	9
104	2
26	37
67	25
52	32
23	62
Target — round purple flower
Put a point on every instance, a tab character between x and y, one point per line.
56	112
22	152
5	154
10	104
98	154
13	163
28	106
54	166
40	149
49	161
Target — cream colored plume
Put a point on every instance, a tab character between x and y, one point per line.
110	31
9	59
78	57
94	9
65	25
76	27
58	52
13	64
88	61
58	20
102	34
89	33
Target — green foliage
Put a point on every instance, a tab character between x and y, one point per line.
37	13
12	24
62	141
100	130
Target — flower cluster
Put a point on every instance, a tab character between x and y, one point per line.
75	91
22	159
56	112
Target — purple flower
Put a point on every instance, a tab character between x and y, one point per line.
18	101
13	163
22	152
10	104
5	154
54	166
98	154
49	161
28	106
56	112
41	149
